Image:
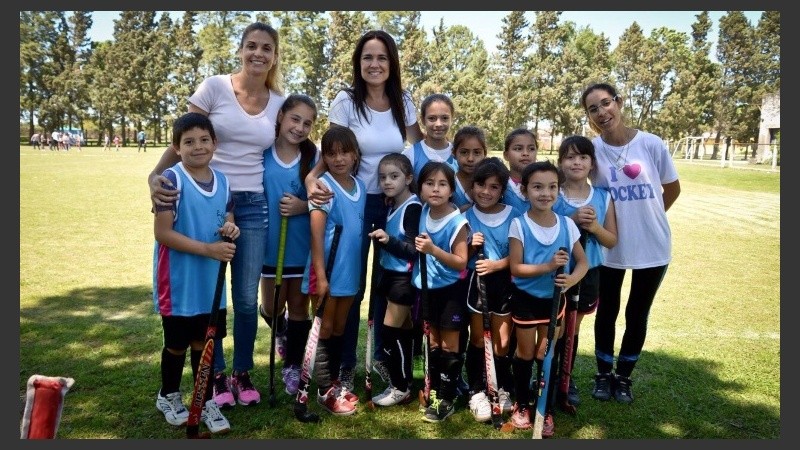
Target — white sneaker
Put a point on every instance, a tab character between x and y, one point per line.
172	407
213	418
480	407
504	398
392	396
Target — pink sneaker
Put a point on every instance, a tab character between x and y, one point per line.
243	389
521	418
336	404
223	396
342	391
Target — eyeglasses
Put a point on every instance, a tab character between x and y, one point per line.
605	103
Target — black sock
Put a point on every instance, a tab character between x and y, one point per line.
475	366
434	371
523	371
171	371
450	367
296	337
392	349
322	366
195	362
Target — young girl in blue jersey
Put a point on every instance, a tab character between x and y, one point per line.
592	209
340	155
437	113
534	241
443	233
489	221
469	148
519	150
286	164
186	258
397	257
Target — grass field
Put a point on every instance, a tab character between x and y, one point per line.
710	367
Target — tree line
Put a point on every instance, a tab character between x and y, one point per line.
142	78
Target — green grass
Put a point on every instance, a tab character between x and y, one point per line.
710	367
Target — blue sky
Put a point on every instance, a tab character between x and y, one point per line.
487	24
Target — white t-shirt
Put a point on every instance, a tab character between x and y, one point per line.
642	166
377	135
241	137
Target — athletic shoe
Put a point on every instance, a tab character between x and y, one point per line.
172	407
222	391
381	368
243	389
521	418
342	391
438	410
346	377
504	398
291	378
431	399
480	407
392	396
213	418
602	386
548	428
622	389
335	404
573	396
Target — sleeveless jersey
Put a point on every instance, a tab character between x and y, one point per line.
394	227
439	274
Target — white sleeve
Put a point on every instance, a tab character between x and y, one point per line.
515	230
411	110
341	109
205	96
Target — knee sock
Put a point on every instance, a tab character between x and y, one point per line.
171	371
523	371
434	370
449	368
296	337
406	343
195	362
392	349
502	368
335	344
475	365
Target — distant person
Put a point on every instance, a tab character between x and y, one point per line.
637	168
117	142
186	257
35	141
55	140
65	140
141	137
107	142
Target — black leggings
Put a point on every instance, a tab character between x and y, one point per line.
644	285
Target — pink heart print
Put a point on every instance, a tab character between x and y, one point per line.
632	170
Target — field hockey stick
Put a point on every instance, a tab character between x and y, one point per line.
425	392
488	352
204	368
544	383
371	324
275	299
569	345
301	411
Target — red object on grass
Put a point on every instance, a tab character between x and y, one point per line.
43	405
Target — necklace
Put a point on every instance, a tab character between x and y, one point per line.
622	157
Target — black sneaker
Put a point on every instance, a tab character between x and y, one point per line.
602	386
622	389
572	394
438	410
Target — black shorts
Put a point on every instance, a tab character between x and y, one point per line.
528	311
498	292
589	295
446	307
396	287
180	331
288	272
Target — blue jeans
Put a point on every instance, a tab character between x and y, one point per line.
250	215
374	213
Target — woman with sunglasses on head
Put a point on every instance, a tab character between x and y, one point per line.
637	169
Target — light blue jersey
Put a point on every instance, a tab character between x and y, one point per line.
536	252
184	283
394	228
346	209
442	232
599	199
494	228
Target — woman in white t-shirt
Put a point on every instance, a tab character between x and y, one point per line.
243	107
637	169
383	117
